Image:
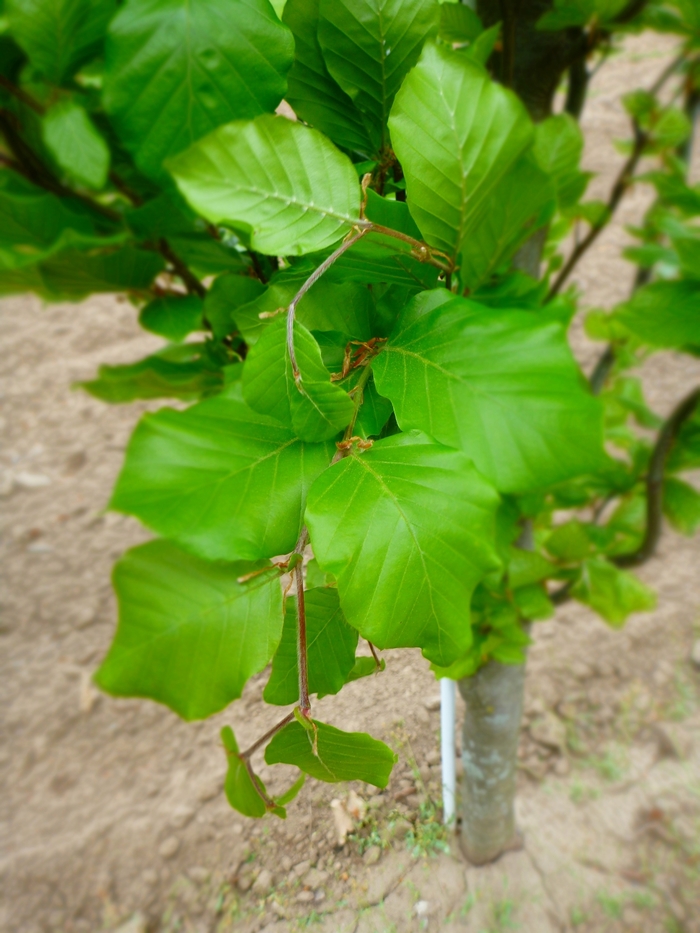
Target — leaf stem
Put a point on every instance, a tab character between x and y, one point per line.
308	284
268	735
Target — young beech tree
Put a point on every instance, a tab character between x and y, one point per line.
366	310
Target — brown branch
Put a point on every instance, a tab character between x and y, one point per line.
655	493
655	481
257	266
622	183
602	368
192	283
124	189
22	96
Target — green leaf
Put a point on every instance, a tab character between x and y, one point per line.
369	47
533	603
364	667
189	634
526	567
282	182
407	529
172	317
523	202
345	307
34	223
239	787
688	250
570	542
456	134
502	385
314	95
338	756
611	592
459	24
226	295
664	314
177	69
567	13
482	47
220	478
315	576
374	413
79	150
685	453
73	274
289	795
682	506
315	408
59	35
558	149
331	645
181	372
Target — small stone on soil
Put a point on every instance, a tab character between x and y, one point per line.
137	924
301	868
169	847
549	731
372	855
433	704
263	882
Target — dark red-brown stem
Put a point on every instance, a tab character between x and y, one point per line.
655	481
654	491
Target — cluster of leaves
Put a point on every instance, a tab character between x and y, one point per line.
369	367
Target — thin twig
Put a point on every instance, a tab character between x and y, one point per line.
308	284
622	183
602	370
22	96
654	490
655	481
192	283
268	735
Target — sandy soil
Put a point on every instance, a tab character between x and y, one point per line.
111	812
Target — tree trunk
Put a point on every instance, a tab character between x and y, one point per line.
494	699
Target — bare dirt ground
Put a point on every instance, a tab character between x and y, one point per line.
111	812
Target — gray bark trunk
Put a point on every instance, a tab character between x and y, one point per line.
494	700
